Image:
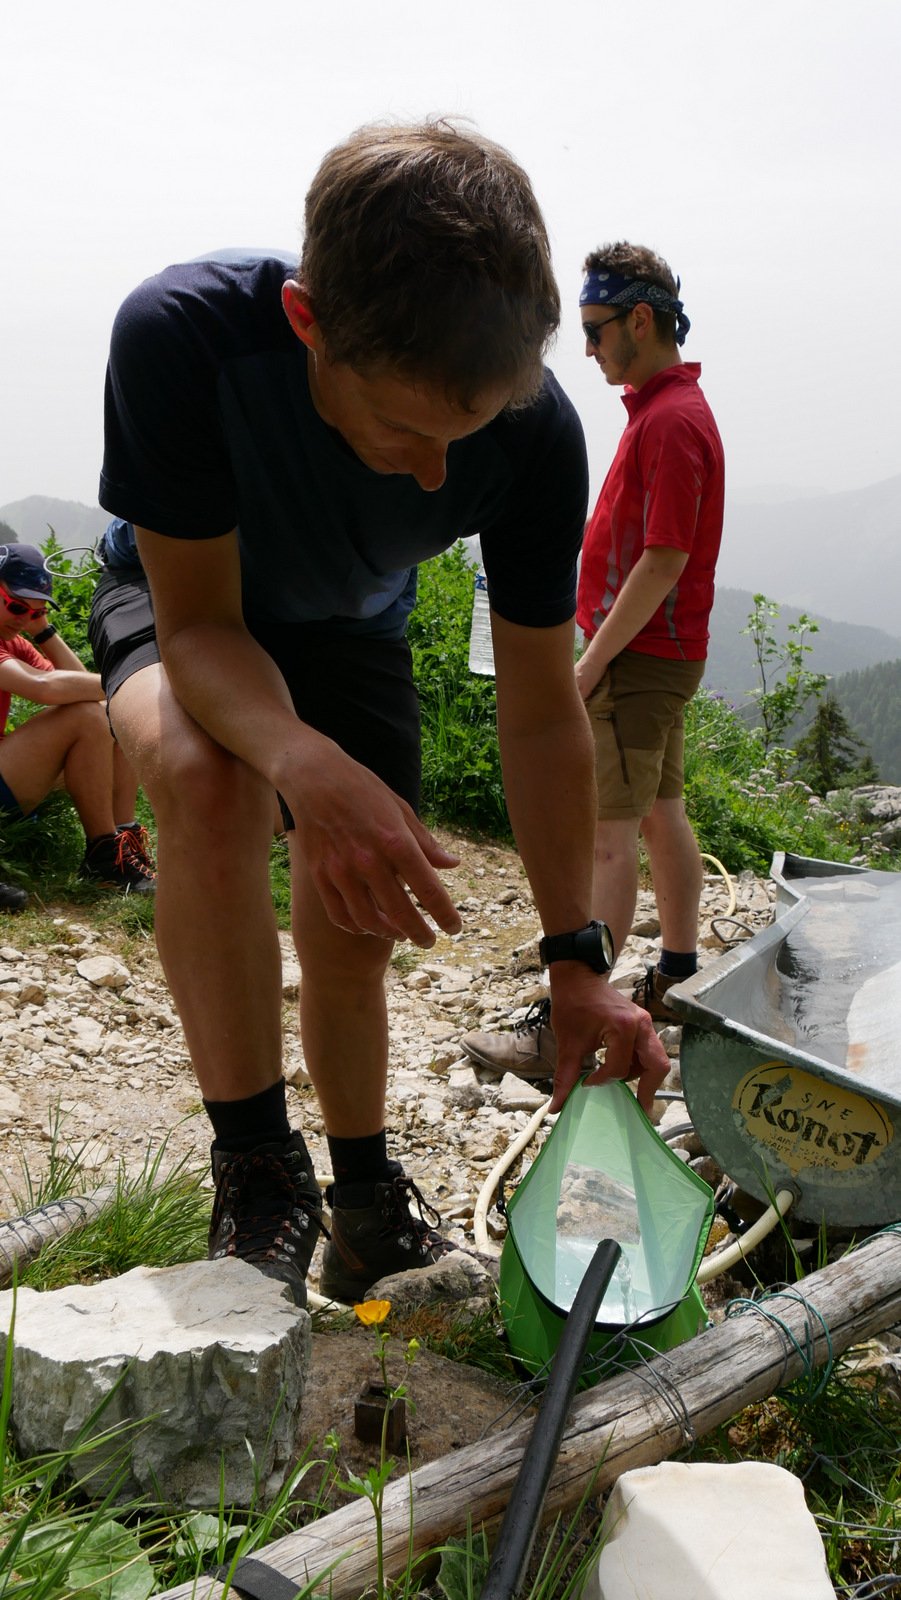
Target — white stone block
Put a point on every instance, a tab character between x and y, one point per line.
706	1531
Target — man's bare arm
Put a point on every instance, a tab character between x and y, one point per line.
645	589
370	857
548	759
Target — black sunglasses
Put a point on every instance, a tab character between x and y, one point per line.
594	331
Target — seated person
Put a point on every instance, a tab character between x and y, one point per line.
68	743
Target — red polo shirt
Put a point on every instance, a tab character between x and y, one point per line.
18	650
665	487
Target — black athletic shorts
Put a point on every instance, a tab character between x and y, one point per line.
354	688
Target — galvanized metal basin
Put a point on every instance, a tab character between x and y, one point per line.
791	1050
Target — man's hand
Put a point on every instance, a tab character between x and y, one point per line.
590	670
588	1013
369	855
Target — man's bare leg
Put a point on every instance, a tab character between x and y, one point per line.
215	925
616	876
677	872
343	1011
125	787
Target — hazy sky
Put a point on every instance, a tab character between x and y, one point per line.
754	143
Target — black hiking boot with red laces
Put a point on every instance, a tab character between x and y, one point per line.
374	1234
268	1210
121	860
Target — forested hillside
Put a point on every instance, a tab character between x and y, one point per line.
871	700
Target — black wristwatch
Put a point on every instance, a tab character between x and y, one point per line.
44	635
592	944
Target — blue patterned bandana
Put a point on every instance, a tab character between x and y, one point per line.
609	288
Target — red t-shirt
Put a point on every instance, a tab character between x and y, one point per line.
665	487
18	650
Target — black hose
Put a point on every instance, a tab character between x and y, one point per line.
520	1525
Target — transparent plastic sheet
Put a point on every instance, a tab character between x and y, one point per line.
604	1173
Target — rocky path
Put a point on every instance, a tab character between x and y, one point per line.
91	1046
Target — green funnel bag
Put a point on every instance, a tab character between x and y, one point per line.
603	1173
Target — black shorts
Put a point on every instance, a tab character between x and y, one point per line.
355	688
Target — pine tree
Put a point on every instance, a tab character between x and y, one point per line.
829	754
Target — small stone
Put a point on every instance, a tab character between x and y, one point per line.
464	1089
104	972
514	1094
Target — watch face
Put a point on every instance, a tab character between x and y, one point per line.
607	943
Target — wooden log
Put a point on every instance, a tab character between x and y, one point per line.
635	1419
22	1239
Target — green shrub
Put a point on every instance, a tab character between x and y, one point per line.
461	770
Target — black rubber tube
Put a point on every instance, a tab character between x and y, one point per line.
520	1525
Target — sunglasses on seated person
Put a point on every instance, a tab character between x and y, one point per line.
22	608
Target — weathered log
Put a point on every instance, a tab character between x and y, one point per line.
636	1419
22	1239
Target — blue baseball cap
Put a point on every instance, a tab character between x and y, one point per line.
24	572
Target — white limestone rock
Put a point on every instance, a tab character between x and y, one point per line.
515	1094
104	972
201	1357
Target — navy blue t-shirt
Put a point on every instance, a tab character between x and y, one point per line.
210	425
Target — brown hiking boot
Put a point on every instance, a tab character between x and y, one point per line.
268	1210
374	1234
649	993
529	1051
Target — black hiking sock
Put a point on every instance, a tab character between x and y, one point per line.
241	1125
677	963
358	1165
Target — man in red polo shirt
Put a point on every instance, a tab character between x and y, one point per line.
645	594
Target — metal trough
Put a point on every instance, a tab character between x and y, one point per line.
791	1050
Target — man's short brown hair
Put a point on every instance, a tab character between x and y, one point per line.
637	261
425	252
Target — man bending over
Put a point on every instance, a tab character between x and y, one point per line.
289	442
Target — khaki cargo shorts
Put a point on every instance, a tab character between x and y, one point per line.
637	715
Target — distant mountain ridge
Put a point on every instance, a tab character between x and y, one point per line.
76	526
838	555
838	647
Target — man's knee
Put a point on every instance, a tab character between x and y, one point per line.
615	840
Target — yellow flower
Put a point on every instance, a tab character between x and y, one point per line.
372	1311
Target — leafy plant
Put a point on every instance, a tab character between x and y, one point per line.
371	1484
786	684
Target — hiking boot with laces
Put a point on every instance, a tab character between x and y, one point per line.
267	1210
529	1051
649	993
375	1234
120	861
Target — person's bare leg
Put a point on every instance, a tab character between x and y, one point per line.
215	925
125	787
343	1011
616	876
72	740
677	872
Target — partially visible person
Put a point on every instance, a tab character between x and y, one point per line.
67	744
645	594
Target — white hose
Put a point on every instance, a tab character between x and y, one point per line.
729	883
487	1191
724	1259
